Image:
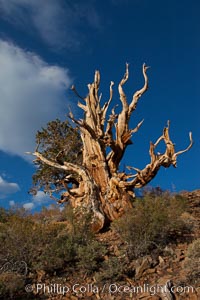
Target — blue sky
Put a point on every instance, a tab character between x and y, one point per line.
47	45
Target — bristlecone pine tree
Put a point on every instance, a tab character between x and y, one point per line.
97	184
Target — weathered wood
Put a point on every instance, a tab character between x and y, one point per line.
100	187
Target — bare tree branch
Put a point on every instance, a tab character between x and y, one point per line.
76	93
188	148
139	93
68	167
157	160
106	105
121	92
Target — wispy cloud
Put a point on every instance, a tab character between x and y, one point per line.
7	188
31	94
57	22
37	201
28	205
40	198
12	203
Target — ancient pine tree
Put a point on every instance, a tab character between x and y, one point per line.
97	184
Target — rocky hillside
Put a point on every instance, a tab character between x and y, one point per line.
110	267
153	276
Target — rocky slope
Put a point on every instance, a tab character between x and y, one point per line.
156	276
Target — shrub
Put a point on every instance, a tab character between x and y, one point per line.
18	239
87	250
11	284
192	261
50	246
48	215
55	254
90	255
73	246
23	240
111	270
150	223
3	215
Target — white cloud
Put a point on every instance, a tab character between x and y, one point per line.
37	200
12	203
40	198
7	188
28	205
57	22
31	94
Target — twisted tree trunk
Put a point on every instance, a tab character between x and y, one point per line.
101	188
